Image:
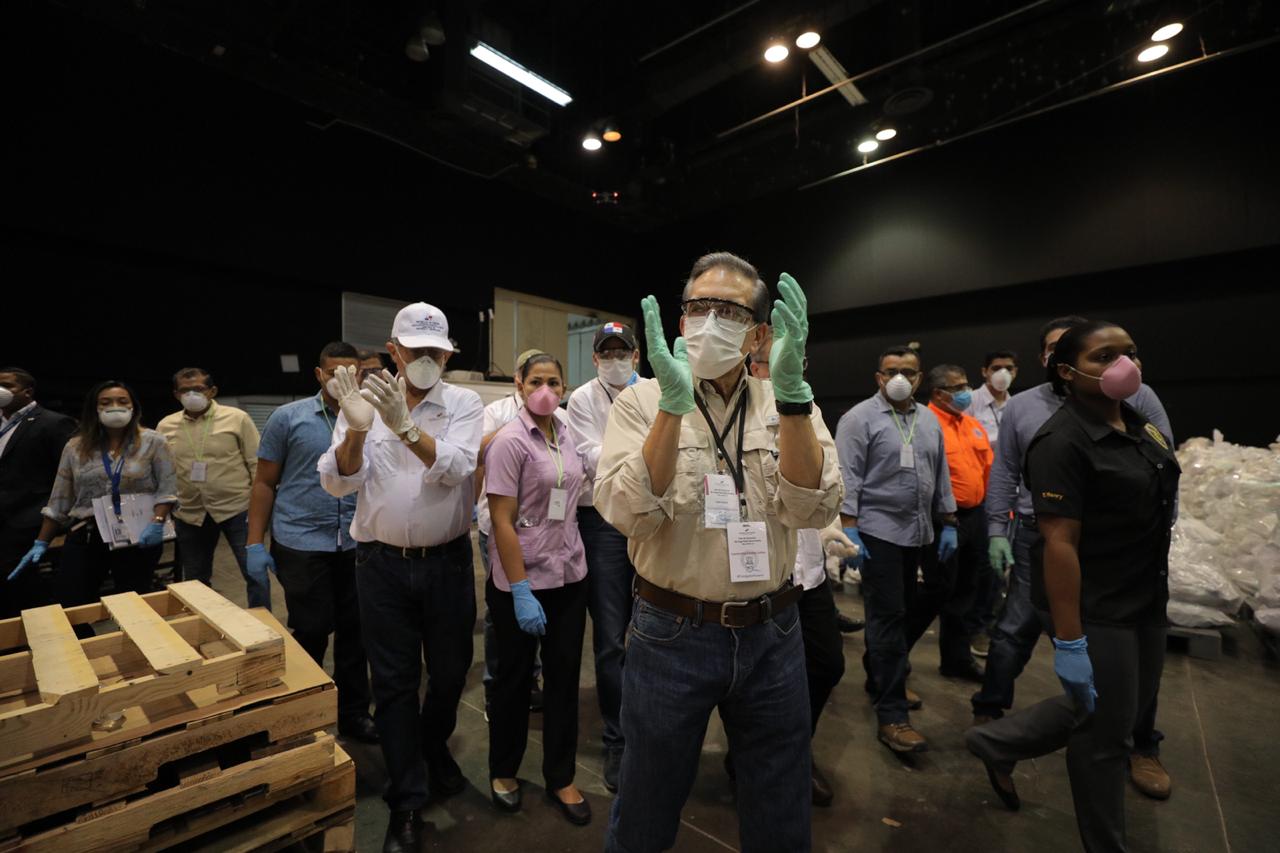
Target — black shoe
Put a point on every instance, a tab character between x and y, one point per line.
404	833
578	814
507	802
535	698
822	794
849	625
612	765
359	728
967	671
445	776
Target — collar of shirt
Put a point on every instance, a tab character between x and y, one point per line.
711	394
882	403
18	414
946	417
208	411
435	396
1098	429
531	427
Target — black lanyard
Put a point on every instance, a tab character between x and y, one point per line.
739	473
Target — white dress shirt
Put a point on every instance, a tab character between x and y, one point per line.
26	410
811	561
497	414
399	500
589	407
988	411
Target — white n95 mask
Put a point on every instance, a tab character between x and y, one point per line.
715	345
422	373
898	388
1001	379
115	417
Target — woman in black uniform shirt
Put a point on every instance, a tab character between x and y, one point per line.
1104	483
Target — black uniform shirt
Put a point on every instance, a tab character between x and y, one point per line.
1122	487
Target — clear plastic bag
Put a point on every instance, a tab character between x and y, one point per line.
1197	616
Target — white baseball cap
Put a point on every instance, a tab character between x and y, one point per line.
422	325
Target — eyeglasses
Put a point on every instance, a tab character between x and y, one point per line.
905	372
723	308
615	354
956	389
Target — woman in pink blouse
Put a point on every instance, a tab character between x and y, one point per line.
533	476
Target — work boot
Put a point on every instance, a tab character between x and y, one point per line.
1149	776
900	737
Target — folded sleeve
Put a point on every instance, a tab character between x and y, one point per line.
458	447
334	483
1056	474
504	460
275	438
623	491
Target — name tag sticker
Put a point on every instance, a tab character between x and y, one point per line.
907	457
558	505
748	551
198	471
720	501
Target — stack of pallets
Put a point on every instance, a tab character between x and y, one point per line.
196	725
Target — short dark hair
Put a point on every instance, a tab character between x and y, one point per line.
898	350
732	263
1068	349
1002	353
540	358
338	349
1059	323
191	373
25	379
940	373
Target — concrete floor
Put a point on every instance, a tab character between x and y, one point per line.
1222	745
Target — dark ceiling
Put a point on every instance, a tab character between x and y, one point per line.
684	81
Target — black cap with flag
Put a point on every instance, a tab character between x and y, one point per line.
614	330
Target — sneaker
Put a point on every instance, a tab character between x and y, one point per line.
1149	776
980	645
901	737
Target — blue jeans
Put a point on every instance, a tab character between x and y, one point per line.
490	636
888	590
677	673
197	542
411	609
609	578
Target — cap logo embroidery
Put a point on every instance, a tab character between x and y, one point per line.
612	328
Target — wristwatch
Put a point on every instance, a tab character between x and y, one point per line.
411	435
794	408
158	519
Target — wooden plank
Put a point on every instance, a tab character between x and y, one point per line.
235	623
60	666
159	643
13	636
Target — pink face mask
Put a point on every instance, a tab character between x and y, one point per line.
1121	380
543	401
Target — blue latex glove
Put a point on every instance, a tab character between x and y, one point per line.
152	536
670	366
258	561
31	558
863	553
1075	670
790	332
947	543
999	553
529	612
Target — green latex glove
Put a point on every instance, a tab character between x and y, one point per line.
999	553
670	366
790	332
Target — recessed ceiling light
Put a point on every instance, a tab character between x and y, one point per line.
612	135
591	142
806	40
1166	32
884	134
776	52
866	146
1153	53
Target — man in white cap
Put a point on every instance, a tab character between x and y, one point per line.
408	445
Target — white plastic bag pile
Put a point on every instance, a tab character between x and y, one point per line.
1226	544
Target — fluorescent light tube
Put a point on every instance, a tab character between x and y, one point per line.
520	74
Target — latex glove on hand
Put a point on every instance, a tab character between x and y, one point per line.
999	553
670	366
387	394
529	613
835	543
152	536
1075	670
790	333
948	543
856	561
358	410
258	561
32	558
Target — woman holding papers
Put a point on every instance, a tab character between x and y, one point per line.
110	458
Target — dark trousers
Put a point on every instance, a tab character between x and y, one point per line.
566	610
889	591
609	579
1127	663
411	608
320	594
981	615
197	542
85	562
490	638
23	591
948	588
823	647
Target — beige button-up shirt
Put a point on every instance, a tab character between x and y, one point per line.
668	541
226	440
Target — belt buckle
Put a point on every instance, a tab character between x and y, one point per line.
724	612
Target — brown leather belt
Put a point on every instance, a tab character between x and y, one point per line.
730	614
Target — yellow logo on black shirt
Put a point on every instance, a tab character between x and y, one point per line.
1156	436
1053	496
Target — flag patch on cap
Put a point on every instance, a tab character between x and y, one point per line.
613	328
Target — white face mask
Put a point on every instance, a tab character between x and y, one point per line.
422	373
115	416
898	388
1001	379
615	372
6	396
194	402
715	345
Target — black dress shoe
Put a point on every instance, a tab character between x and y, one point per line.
507	802
822	794
578	814
968	671
445	776
359	728
612	766
404	833
849	625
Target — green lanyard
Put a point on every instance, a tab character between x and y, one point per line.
208	424
554	453
907	438
324	411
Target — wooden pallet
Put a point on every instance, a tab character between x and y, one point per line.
63	695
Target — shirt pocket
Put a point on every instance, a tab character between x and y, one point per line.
693	462
759	458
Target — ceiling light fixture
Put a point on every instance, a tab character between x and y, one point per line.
611	134
776	52
1167	32
884	134
866	146
807	40
1153	53
508	66
591	142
